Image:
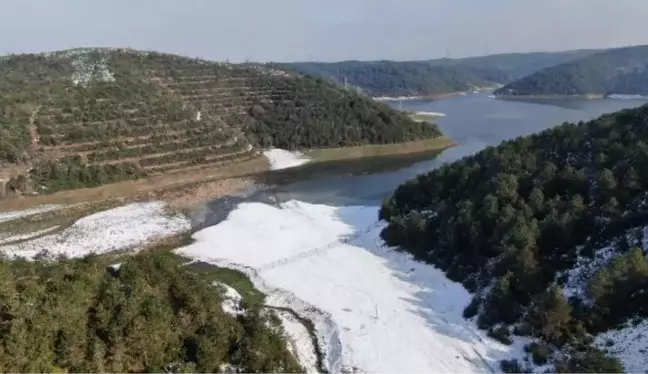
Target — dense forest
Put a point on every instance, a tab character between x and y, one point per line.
150	314
616	71
547	230
434	77
85	117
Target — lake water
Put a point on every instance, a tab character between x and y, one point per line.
475	121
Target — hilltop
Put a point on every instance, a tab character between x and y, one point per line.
434	77
87	117
549	233
617	71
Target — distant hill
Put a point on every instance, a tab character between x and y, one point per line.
434	77
85	117
549	232
616	71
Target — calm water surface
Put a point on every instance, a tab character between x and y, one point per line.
475	121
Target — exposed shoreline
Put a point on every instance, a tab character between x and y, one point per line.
191	187
373	150
550	97
586	96
433	96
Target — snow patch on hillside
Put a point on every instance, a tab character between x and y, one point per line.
577	278
15	214
582	272
299	341
120	228
88	70
282	159
232	300
373	304
629	344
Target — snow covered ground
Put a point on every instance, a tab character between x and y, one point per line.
282	159
299	341
629	345
377	310
15	214
12	238
115	229
232	302
432	114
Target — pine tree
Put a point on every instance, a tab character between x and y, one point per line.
550	316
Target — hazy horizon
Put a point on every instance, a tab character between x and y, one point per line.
337	30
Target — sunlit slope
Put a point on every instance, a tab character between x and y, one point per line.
86	117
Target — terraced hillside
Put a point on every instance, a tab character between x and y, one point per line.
86	117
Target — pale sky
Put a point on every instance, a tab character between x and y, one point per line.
327	30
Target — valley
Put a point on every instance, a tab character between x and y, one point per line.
324	187
381	296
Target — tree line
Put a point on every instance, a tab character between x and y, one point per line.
151	314
510	221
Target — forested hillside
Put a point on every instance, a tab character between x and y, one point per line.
434	77
616	71
150	314
392	78
85	117
548	230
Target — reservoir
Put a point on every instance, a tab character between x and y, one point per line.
313	246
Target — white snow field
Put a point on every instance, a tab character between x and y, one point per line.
116	229
282	159
377	310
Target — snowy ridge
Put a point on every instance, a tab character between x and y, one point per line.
120	228
368	303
